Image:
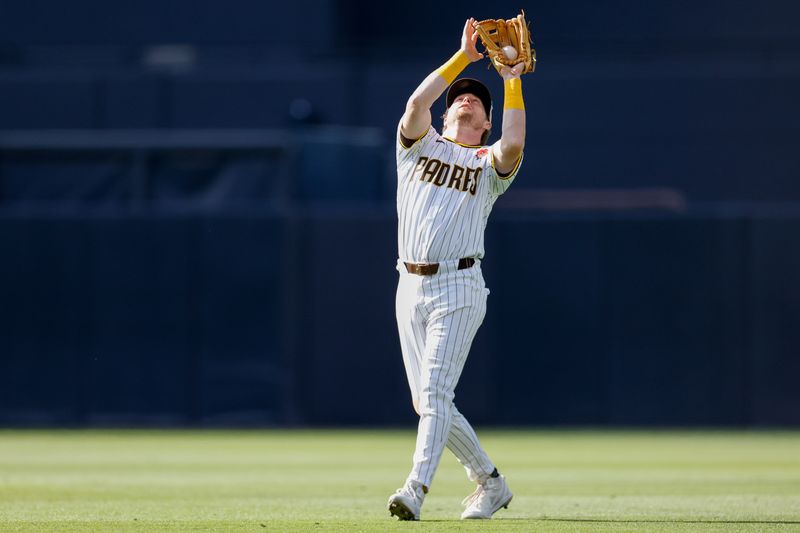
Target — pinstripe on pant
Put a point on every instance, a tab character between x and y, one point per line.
437	318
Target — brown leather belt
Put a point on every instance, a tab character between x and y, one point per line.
429	269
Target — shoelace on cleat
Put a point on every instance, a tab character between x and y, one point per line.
466	502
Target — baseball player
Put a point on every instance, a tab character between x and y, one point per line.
446	186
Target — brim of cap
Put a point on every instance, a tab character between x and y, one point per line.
470	85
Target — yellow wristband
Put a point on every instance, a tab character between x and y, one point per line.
454	66
513	94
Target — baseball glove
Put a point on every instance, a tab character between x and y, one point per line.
497	34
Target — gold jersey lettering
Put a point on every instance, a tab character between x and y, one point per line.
467	179
474	188
441	177
430	170
438	173
420	165
455	178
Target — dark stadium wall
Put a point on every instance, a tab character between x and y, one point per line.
666	320
197	217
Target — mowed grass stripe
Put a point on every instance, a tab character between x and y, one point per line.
334	480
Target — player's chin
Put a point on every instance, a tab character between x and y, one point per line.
464	113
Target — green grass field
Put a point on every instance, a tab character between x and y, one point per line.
564	481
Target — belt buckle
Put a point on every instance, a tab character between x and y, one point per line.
422	269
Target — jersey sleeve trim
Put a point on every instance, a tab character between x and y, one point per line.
407	143
507	175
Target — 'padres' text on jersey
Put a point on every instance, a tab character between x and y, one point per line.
445	192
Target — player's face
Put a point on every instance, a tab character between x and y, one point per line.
468	104
467	108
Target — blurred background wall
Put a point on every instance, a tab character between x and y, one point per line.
197	220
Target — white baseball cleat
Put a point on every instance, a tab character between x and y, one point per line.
406	503
487	499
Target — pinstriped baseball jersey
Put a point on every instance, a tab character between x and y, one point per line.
445	192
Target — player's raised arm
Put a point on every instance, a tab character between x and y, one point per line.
508	149
417	117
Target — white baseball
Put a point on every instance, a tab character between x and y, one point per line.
510	52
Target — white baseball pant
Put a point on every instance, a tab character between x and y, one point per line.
437	318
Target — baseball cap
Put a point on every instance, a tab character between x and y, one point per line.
470	85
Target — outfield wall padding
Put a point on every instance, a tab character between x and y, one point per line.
288	319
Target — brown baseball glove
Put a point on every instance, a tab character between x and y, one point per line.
498	34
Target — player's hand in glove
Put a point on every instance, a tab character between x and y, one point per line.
507	42
469	39
508	73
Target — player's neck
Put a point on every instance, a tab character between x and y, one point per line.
463	134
